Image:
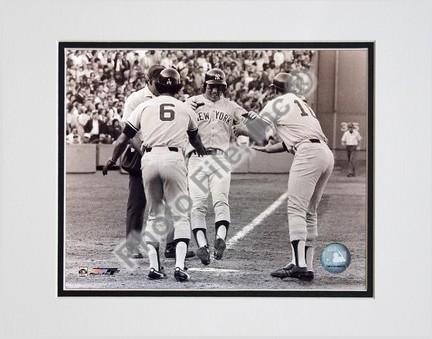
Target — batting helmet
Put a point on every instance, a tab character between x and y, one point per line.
285	83
168	81
215	77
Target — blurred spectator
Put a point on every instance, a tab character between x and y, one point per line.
73	137
83	118
72	116
144	60
261	59
278	58
255	84
166	61
121	68
86	138
80	96
115	130
198	79
95	127
271	70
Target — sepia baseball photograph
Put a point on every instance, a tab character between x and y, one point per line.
227	169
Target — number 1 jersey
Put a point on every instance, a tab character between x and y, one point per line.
163	121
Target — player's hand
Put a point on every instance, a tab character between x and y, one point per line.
260	148
108	164
240	129
194	105
250	115
201	151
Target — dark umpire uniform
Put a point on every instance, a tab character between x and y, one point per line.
137	201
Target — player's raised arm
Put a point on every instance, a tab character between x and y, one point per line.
240	114
254	125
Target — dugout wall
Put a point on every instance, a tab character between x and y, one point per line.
342	94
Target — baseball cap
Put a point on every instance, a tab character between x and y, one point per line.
154	71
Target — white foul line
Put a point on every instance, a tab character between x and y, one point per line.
211	269
258	220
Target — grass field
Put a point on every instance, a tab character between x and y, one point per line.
95	224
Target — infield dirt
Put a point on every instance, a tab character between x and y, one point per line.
95	208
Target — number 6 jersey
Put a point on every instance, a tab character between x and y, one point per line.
163	121
294	120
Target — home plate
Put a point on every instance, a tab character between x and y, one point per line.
211	269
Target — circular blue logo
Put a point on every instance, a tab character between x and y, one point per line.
335	258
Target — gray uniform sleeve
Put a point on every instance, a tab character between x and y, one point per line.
238	111
192	119
269	114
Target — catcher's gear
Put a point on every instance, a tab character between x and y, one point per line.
168	81
285	83
215	77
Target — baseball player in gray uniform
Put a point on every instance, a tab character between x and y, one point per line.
313	162
163	122
212	174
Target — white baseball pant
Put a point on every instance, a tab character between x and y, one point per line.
165	178
209	174
311	169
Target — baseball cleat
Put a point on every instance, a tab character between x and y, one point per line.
170	253
219	248
181	275
155	275
204	254
293	271
136	255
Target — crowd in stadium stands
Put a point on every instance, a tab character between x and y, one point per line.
99	81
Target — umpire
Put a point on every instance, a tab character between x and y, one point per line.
137	201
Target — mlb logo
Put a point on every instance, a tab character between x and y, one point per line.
83	271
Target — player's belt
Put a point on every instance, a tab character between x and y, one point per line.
210	151
314	141
172	149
